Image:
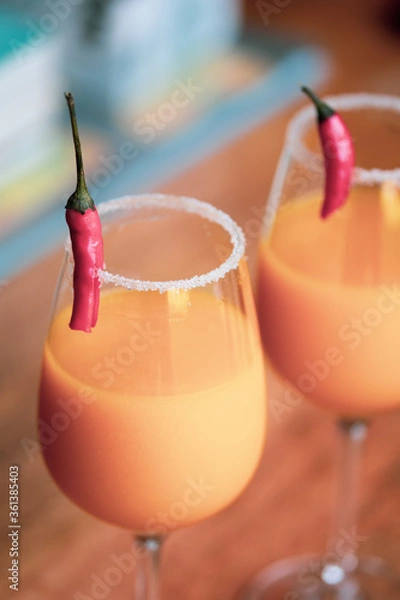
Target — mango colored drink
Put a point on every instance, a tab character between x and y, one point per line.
153	423
329	303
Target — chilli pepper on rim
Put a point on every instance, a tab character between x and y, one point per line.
338	150
86	240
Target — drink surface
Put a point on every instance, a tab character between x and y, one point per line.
159	413
329	303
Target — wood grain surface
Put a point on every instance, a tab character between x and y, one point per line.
286	508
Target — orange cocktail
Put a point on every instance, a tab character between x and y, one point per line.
167	430
158	415
328	298
329	302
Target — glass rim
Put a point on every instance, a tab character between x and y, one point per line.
177	203
359	100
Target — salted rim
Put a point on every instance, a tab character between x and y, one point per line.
178	203
361	101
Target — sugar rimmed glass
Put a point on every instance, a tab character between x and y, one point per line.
330	323
160	412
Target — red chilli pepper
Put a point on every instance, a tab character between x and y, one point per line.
86	240
338	149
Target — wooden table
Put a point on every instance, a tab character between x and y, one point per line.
285	510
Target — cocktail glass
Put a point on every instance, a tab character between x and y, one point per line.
160	412
328	304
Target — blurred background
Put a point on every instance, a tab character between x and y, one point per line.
189	97
158	85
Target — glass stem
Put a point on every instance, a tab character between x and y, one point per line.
344	540
147	550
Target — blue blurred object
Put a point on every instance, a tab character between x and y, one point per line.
147	60
29	85
123	52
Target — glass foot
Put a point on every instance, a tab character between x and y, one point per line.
308	578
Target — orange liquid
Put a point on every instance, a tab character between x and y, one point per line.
329	304
153	423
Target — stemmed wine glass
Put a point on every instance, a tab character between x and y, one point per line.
329	310
160	412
